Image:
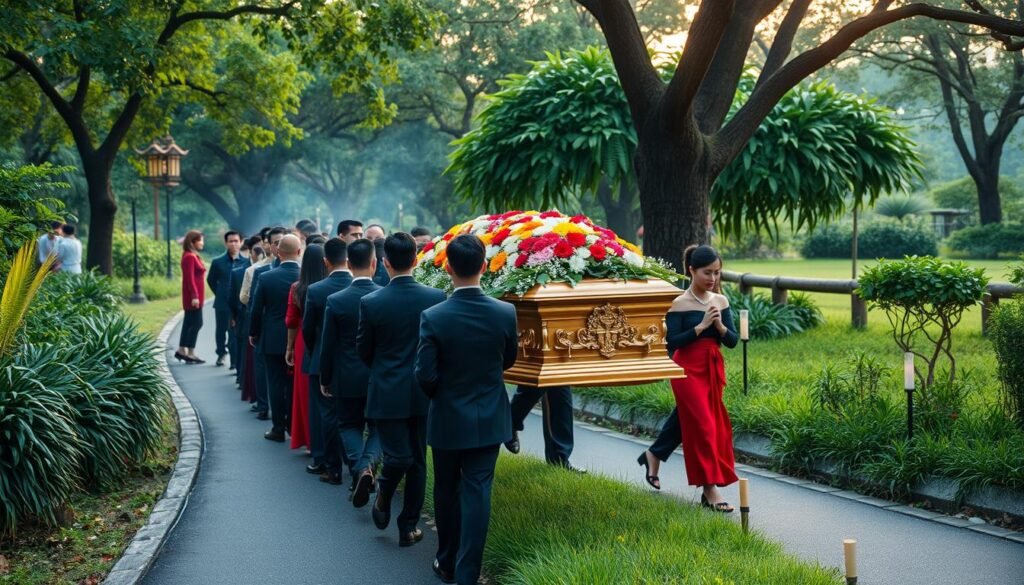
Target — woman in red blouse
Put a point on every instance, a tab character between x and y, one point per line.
312	271
193	289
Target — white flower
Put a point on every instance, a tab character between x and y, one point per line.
577	264
491	251
540	231
510	244
592	239
583	253
633	258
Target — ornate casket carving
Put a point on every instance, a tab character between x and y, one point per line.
598	333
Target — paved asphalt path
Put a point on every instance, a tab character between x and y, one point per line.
255	516
893	548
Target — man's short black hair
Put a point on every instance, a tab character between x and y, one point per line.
361	253
230	233
400	250
346	225
315	239
264	233
419	231
56	224
278	230
466	255
335	251
252	241
307	227
68	229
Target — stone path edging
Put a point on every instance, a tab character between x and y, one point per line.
758	448
146	545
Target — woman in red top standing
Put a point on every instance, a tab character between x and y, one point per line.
312	271
193	289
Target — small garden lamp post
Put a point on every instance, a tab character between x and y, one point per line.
744	337
908	385
163	169
138	296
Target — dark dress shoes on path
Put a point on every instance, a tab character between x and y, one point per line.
381	512
331	478
262	415
220	361
513	444
273	435
410	538
361	493
316	468
444	576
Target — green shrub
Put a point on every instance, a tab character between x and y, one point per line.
878	239
63	299
924	300
828	241
988	241
152	256
1017	272
28	203
901	207
1006	330
768	320
154	287
963	194
39	460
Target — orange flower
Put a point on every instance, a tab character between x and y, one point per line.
498	261
440	257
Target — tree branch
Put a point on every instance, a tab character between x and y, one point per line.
73	119
179	20
782	45
709	26
199	186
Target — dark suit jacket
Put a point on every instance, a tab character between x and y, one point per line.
235	284
341	368
381	276
466	343
219	277
389	324
313	315
269	306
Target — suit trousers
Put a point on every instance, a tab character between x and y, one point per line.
190	327
223	334
462	504
404	443
670	437
259	370
238	349
359	436
316	421
556	403
279	389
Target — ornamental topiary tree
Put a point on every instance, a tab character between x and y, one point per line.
1006	330
924	299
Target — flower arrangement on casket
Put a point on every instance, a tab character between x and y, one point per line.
529	248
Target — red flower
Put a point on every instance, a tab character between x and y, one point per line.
563	249
548	214
527	244
551	238
428	247
500	236
598	251
619	251
540	243
448	237
576	240
579	219
522	260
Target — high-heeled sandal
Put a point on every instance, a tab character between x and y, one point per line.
722	507
181	357
652	480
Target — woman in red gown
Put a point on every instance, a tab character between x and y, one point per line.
312	271
698	323
193	290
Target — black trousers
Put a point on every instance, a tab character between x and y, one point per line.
404	443
223	334
190	327
557	407
279	389
462	505
670	437
239	348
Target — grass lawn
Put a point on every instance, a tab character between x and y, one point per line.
152	315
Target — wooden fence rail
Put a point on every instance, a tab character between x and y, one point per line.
781	285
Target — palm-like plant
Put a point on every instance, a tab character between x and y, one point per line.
22	285
900	207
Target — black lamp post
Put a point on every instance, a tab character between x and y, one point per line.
163	169
137	295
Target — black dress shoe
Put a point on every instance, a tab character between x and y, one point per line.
410	538
262	415
273	435
513	444
444	576
381	512
361	493
331	478
220	361
570	467
254	407
316	468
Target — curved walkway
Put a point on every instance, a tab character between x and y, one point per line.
255	516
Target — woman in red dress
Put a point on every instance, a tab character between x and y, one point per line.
698	323
312	271
193	292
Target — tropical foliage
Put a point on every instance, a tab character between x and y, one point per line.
901	206
1006	330
525	249
22	284
28	203
769	320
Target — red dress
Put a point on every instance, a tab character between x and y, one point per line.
193	278
300	385
707	431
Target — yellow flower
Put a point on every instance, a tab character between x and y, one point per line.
526	227
498	261
632	248
567	228
440	257
486	239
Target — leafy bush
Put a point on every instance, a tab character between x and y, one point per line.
809	313
1006	330
878	239
1017	272
63	299
963	194
27	203
988	241
39	461
768	320
154	287
754	245
924	300
152	256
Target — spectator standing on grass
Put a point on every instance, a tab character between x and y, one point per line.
192	295
69	250
219	279
698	323
47	243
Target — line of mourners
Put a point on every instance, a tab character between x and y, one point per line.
335	342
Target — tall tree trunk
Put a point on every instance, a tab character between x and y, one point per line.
102	212
621	212
675	191
989	205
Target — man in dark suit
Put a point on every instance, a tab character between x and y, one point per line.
268	332
345	377
380	276
466	343
236	310
218	278
259	363
388	333
323	422
556	403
